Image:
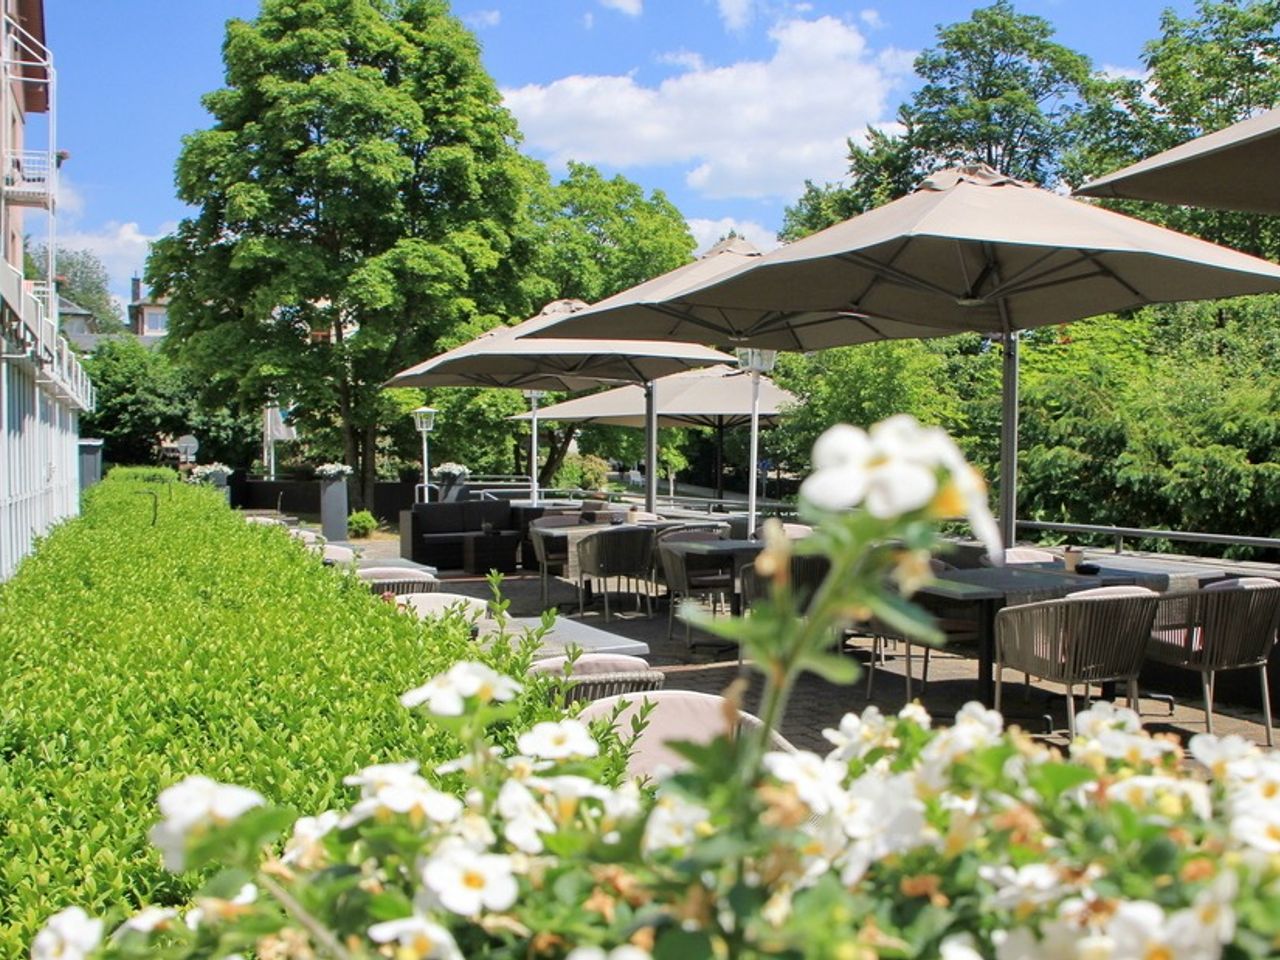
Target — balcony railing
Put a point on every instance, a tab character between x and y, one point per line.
32	336
30	178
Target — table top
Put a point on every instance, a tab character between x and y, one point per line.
712	547
993	583
566	633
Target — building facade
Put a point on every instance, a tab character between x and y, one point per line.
148	316
43	389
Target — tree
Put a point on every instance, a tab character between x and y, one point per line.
357	197
1206	71
82	279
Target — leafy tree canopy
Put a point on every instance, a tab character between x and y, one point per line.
83	280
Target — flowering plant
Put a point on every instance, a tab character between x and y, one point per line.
451	472
903	840
209	472
332	471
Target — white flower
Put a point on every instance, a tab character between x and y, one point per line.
859	735
1104	716
624	952
218	908
419	937
372	779
1168	796
558	741
191	807
410	796
817	781
850	469
880	814
1139	928
975	727
525	819
1257	826
675	822
1228	758
147	920
69	935
1131	748
1023	889
465	882
446	694
959	946
305	847
917	714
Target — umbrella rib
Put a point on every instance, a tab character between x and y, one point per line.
687	316
888	272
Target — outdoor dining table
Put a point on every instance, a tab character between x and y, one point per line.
566	633
1164	575
990	588
576	534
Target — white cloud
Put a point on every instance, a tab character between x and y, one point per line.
70	199
1125	73
871	17
632	8
483	19
686	59
122	247
588	20
736	14
755	128
707	232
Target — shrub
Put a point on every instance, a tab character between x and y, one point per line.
580	472
134	655
361	523
144	474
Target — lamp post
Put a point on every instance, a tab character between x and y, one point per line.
424	418
755	362
533	396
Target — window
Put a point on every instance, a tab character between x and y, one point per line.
155	321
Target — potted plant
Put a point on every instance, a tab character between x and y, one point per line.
450	475
333	499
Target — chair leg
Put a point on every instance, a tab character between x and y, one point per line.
544	586
1266	701
871	664
604	588
1134	704
688	634
1026	687
582	604
999	685
908	671
1206	681
924	673
1071	710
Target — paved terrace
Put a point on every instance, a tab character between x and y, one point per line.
818	704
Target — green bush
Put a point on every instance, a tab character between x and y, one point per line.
580	472
135	655
144	474
361	523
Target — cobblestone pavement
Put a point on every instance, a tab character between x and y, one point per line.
818	704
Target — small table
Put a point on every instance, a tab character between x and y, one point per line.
1165	576
566	633
740	551
482	552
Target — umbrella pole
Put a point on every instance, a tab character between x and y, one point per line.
533	448
754	460
719	458
1009	440
650	447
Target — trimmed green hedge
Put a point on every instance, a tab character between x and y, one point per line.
132	655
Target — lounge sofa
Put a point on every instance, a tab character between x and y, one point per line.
433	533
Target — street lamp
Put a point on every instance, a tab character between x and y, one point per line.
424	418
533	396
755	362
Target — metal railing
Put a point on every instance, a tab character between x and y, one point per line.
1120	534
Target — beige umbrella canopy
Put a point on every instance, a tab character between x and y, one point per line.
718	397
969	250
1232	169
506	358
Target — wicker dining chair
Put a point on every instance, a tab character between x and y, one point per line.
432	605
1093	636
552	552
397	580
596	675
1229	625
692	577
675	715
623	553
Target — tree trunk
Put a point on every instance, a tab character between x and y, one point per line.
557	446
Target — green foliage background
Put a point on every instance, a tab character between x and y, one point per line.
133	655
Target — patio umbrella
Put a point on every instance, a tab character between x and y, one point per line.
719	397
506	357
1232	169
968	250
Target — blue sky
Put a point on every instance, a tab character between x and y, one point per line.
727	105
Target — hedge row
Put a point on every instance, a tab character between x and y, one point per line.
132	655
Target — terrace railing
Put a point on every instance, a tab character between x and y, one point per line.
1120	534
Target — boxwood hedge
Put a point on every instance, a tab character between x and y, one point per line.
132	654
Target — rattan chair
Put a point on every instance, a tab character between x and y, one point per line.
552	552
433	605
675	715
397	580
621	553
597	675
692	577
1229	625
1094	636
